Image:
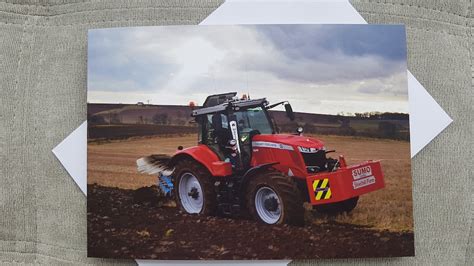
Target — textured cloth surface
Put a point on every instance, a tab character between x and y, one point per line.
43	47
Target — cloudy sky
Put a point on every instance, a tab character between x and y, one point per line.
318	68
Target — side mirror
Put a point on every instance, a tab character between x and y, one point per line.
289	112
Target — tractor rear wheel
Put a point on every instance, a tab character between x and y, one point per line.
194	188
338	207
274	198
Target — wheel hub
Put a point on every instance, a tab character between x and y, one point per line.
194	193
268	205
190	193
271	204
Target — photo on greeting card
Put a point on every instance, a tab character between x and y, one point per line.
248	142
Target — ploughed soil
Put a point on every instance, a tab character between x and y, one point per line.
113	164
125	223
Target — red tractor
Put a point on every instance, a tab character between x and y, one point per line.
241	162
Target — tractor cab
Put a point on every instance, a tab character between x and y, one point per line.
227	125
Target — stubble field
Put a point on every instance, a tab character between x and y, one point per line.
112	164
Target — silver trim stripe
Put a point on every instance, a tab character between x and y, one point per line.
273	145
235	133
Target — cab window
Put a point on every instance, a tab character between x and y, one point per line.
253	119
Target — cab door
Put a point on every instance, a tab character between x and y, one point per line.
215	133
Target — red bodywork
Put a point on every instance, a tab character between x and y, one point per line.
326	187
342	185
208	158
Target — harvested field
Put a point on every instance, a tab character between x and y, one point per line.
381	224
113	164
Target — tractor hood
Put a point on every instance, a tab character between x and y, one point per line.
293	140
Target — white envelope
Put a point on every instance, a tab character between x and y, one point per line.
427	118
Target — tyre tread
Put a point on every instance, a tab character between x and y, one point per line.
285	187
204	177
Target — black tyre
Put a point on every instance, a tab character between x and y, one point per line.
338	207
194	187
273	198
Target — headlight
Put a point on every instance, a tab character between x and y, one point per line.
303	149
307	150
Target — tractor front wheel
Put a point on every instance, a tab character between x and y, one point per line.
194	188
274	198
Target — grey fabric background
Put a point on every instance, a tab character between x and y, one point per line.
43	81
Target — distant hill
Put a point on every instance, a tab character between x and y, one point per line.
140	114
178	117
179	114
93	108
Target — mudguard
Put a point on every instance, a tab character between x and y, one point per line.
206	157
257	168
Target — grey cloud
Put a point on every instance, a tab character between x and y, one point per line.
394	85
338	69
268	60
315	41
370	88
329	53
114	58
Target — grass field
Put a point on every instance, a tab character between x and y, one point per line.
113	164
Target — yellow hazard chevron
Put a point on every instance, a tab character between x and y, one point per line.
321	188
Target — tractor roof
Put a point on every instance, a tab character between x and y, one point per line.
216	99
218	104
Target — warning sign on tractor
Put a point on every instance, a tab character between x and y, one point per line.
321	188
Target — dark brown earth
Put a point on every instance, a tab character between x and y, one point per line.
125	224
